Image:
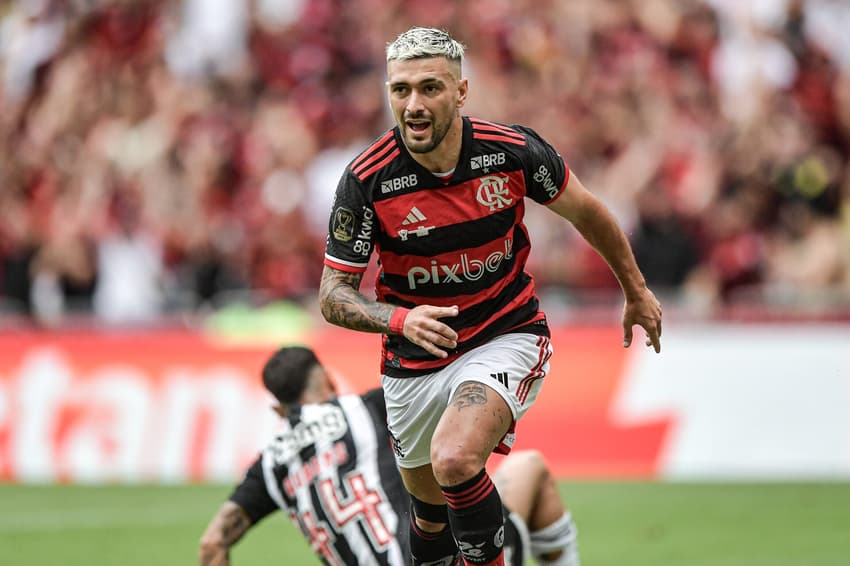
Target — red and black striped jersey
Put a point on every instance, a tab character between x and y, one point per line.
459	240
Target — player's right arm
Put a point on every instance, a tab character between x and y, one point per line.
352	230
224	530
343	304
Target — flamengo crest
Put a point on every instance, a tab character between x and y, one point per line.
493	192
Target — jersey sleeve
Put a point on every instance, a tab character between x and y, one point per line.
351	228
252	496
546	171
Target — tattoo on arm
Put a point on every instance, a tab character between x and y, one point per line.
234	524
469	394
343	304
226	528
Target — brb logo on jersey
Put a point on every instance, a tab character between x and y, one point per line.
464	270
493	192
399	183
487	161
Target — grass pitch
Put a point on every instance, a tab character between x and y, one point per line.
620	524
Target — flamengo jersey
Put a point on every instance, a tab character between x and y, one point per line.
332	470
459	241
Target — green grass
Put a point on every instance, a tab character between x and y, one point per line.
628	524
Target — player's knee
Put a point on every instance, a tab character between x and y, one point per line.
452	464
537	465
529	464
532	459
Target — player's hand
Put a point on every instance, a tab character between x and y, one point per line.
422	326
643	310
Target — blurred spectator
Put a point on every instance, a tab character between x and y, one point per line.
129	265
664	247
174	154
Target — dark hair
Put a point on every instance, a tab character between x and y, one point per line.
285	373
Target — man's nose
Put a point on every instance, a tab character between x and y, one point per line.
415	104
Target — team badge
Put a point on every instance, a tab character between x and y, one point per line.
493	192
343	224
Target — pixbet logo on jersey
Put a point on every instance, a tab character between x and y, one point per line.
464	270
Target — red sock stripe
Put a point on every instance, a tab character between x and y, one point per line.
471	496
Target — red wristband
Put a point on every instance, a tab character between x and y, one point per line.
397	320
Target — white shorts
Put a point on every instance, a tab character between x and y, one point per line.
512	365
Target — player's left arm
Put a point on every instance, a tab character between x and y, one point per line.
599	227
225	529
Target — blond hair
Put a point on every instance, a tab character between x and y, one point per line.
419	43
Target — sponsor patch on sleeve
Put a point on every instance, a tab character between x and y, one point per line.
343	224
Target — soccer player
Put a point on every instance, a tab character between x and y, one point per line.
440	198
331	468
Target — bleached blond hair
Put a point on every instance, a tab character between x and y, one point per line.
418	43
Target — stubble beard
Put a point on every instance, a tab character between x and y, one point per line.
438	134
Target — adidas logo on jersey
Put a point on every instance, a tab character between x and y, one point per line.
414	216
399	183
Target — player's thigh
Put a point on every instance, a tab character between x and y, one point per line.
512	365
474	421
414	407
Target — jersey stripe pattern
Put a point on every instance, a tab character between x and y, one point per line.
331	469
459	240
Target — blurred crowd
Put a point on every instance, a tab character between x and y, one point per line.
162	156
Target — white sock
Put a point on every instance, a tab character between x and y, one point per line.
560	535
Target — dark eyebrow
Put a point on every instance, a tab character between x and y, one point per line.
425	82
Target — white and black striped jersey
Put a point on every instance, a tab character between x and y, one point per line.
458	240
332	470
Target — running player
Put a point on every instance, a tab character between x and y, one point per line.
332	470
440	198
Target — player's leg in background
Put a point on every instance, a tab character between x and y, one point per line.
529	490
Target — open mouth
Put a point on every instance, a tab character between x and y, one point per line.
418	127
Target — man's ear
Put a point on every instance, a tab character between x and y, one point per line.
280	410
462	92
